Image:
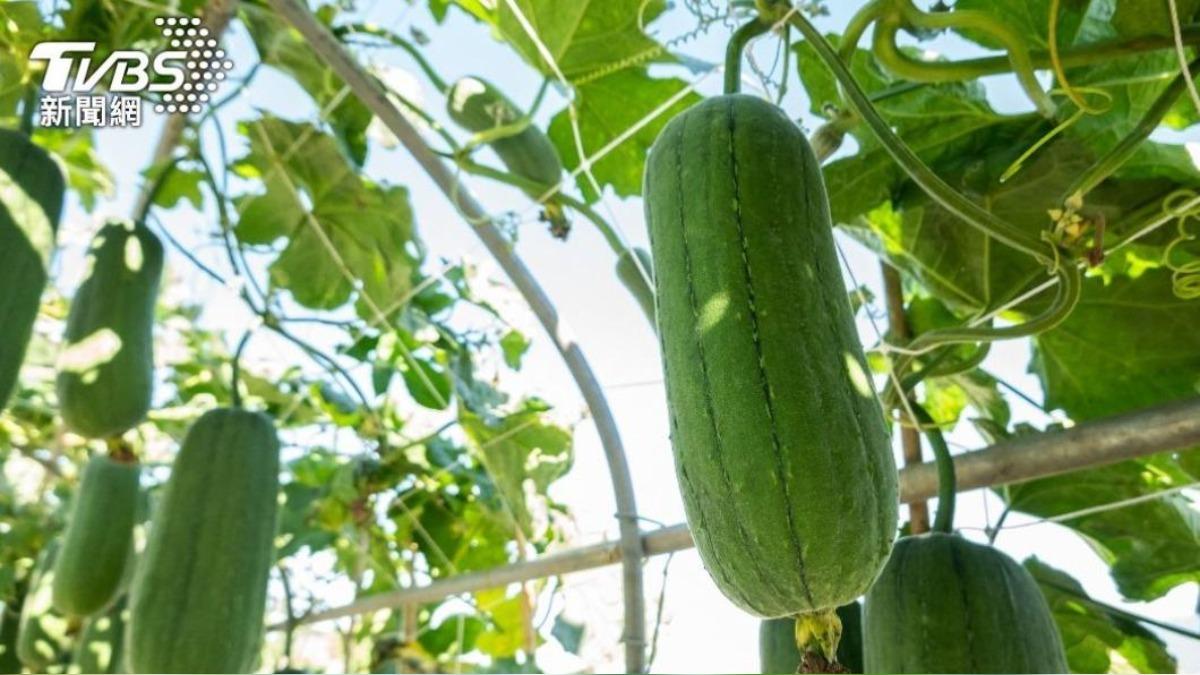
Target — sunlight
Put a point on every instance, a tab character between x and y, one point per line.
28	216
713	311
858	377
90	353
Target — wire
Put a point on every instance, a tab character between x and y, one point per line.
1103	508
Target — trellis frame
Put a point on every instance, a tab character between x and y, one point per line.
1160	429
1164	428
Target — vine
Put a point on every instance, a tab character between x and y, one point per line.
941	192
947	488
733	52
1059	70
902	13
1115	158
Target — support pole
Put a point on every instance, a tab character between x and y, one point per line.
910	437
374	97
1166	428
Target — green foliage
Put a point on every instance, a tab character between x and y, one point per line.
1091	633
748	283
97	546
580	38
619	100
947	605
106	368
368	225
283	48
201	587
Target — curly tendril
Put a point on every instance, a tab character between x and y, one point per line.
1185	276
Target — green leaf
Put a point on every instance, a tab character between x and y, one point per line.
455	535
523	453
1151	546
968	270
282	47
427	381
346	237
180	185
515	344
938	122
606	108
1125	347
343	410
455	634
1028	19
21	27
87	176
1136	18
505	635
1090	632
580	37
1132	86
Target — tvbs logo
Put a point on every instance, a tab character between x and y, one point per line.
181	78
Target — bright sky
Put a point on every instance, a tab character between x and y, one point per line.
701	631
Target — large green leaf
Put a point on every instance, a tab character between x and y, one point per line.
574	39
523	454
281	46
505	635
344	236
21	27
1151	546
1129	344
606	108
1028	19
1135	18
1092	635
1126	346
937	122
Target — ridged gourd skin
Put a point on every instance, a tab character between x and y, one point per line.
106	370
97	547
43	635
200	589
635	270
778	653
100	645
781	450
478	106
31	202
947	605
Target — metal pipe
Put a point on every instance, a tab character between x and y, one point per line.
374	97
1165	428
